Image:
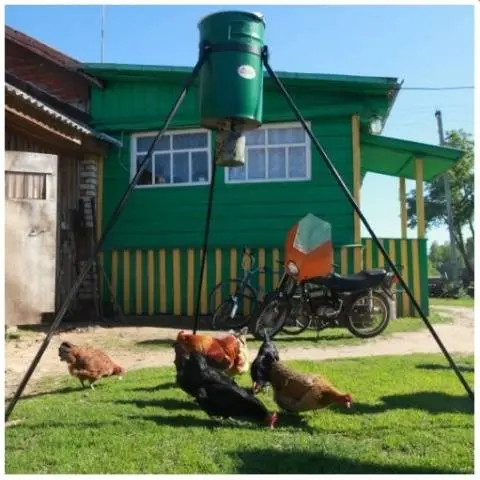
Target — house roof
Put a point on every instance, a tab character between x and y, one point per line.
383	90
49	53
56	115
395	157
116	70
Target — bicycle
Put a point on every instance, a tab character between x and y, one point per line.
242	297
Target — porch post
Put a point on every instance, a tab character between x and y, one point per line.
403	207
419	273
357	239
420	200
404	304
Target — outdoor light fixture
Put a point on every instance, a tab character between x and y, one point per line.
375	125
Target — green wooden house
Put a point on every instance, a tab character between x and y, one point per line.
152	255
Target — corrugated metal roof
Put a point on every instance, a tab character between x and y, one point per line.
86	130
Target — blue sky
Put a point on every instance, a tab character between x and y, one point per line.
423	45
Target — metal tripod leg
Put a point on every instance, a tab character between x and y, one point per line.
353	203
204	52
116	306
205	245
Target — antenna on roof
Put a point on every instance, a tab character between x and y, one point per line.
102	35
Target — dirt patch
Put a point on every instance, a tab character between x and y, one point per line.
129	346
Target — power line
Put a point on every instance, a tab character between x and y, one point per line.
466	87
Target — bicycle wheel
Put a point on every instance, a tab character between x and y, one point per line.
231	298
233	313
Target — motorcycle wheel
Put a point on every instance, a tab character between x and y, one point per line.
362	324
271	318
295	323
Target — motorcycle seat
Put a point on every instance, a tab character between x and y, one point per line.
358	281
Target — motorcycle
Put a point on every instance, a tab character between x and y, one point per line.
358	302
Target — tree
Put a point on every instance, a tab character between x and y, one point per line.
462	192
439	259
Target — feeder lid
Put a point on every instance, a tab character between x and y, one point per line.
257	15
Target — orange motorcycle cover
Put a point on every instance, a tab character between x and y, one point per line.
308	244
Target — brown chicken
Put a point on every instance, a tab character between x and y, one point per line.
88	363
229	353
297	392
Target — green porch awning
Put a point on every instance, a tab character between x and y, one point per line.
395	157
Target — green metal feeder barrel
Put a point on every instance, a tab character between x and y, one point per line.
231	80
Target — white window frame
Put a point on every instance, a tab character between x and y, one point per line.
267	126
133	156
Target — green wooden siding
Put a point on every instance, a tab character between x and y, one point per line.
256	214
140	104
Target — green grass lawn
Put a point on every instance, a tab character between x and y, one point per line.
453	302
410	415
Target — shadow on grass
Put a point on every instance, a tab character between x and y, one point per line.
166	403
157	388
54	392
270	461
432	366
433	402
184	421
292	421
157	342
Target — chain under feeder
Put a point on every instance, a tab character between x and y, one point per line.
230	65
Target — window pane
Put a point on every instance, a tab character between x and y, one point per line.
146	176
282	136
185	141
255	137
297	162
277	163
162	168
237	173
181	168
144	143
256	163
199	167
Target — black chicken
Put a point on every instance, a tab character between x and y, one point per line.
262	365
185	380
219	395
